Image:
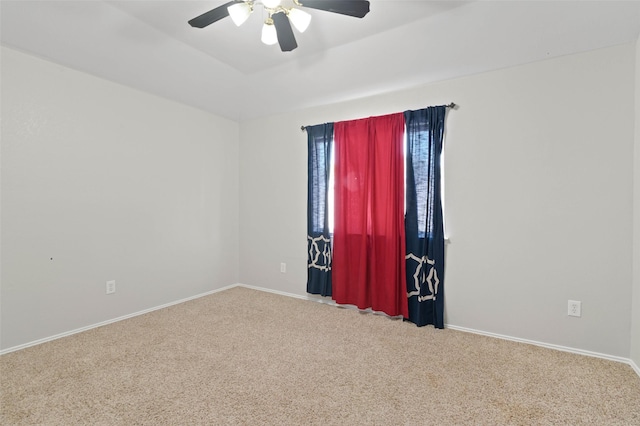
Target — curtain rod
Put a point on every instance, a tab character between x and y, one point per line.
451	105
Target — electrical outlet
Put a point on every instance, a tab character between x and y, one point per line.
283	267
575	308
111	287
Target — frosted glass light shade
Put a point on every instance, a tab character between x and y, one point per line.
269	35
239	12
300	19
271	3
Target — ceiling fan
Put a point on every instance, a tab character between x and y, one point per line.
277	27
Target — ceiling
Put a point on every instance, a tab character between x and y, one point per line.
227	71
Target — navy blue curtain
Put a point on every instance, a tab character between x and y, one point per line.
320	145
423	221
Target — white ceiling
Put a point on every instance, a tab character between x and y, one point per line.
227	70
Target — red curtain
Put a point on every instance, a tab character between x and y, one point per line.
369	239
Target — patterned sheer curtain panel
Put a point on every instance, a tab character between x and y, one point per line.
424	227
319	247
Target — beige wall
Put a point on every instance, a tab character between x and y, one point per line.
635	325
101	182
116	184
539	177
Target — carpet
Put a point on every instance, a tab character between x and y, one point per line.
243	356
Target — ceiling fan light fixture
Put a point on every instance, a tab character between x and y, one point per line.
300	19
269	34
278	26
240	12
271	4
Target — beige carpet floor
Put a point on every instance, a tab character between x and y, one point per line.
247	357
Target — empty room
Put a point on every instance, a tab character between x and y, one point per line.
320	212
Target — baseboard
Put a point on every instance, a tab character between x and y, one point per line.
330	302
317	299
111	321
278	292
544	345
480	332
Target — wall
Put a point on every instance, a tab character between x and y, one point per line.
539	177
635	326
102	182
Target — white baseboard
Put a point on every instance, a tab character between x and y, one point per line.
100	324
543	344
470	330
327	301
281	293
318	299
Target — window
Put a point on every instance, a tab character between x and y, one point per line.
422	214
383	232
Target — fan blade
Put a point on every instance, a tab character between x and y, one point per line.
286	38
212	16
356	8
